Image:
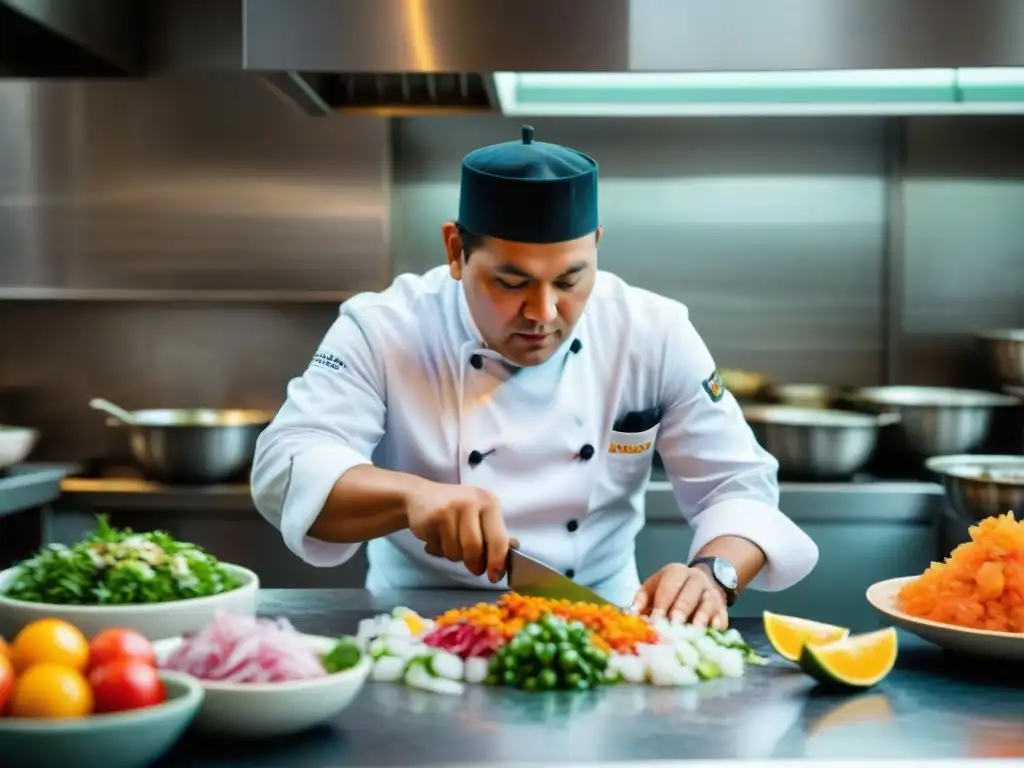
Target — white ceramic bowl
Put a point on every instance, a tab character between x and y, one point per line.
16	443
266	710
975	642
154	620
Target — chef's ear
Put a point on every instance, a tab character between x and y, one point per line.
453	248
599	234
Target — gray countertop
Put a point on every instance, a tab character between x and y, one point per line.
933	706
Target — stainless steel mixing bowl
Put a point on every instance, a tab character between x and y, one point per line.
194	446
815	442
979	486
937	421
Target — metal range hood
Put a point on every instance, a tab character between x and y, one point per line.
56	38
385	55
216	36
440	56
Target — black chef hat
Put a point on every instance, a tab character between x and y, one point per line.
529	191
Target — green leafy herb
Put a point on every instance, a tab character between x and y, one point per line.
344	655
120	567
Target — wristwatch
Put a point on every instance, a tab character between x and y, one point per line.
724	574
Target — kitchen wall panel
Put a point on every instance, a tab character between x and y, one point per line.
56	356
187	184
772	232
963	248
175	189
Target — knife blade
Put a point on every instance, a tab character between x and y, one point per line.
535	579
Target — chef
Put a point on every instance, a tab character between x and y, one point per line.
518	393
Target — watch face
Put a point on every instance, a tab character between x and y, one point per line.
725	573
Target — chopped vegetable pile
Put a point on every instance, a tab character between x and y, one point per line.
245	649
613	630
552	652
980	585
548	654
119	567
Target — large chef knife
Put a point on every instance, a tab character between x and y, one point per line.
531	577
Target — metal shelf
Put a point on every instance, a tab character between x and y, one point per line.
9	293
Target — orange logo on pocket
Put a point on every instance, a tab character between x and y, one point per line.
622	448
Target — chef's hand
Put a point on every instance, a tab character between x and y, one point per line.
683	594
463	524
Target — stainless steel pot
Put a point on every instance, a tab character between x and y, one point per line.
194	446
936	421
1005	351
816	443
979	486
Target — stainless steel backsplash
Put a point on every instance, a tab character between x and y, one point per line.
772	232
836	250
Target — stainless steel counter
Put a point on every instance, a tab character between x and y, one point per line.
931	707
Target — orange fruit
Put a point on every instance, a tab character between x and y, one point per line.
789	634
51	691
858	661
50	641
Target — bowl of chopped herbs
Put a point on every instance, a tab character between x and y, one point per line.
149	582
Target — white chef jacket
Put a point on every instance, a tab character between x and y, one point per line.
404	380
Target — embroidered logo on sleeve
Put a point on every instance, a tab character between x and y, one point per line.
714	386
328	361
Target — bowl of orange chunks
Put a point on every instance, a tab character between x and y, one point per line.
830	654
66	699
973	601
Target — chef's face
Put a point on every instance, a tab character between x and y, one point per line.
525	298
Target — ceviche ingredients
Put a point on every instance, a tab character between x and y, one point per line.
614	629
54	671
980	585
120	567
685	655
466	640
553	652
548	654
247	649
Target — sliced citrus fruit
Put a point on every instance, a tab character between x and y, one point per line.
857	661
789	634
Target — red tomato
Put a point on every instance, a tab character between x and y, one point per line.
126	684
6	681
112	644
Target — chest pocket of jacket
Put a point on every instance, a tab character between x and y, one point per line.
628	458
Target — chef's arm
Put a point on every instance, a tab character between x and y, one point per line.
726	484
366	503
745	555
312	473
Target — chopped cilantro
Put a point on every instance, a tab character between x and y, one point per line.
120	567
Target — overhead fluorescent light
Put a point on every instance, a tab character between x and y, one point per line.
991	85
840	92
